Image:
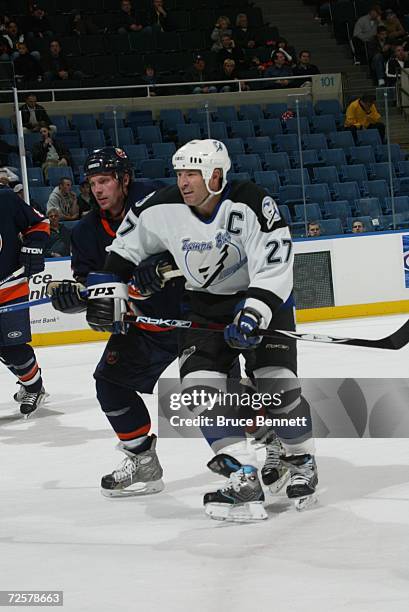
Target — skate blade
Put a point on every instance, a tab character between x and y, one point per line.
303	503
135	490
41	401
239	513
276	486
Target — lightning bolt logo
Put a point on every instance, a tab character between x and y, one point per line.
219	267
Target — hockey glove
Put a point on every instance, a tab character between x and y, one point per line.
107	302
32	258
66	296
241	334
148	276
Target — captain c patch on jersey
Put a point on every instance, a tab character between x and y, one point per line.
270	211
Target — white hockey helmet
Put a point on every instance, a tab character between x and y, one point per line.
206	156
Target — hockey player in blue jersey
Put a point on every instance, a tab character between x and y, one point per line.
131	363
23	235
235	251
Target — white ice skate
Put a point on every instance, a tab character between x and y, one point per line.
303	482
274	473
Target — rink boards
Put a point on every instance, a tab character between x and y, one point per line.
342	277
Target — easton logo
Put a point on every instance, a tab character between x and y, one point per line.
96	291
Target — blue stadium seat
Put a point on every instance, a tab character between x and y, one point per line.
234	146
40	195
369	207
92	139
290	194
362	155
340	209
242	129
187	131
70	138
403	169
153	168
275	110
366	221
148	134
199	115
286	142
35	177
270	127
368	137
170	118
259	144
252	112
341	140
331	227
323	123
306	108
309	158
376	189
108	119
355	172
401	204
226	114
347	191
285	213
136	152
164	150
381	171
311	211
168	180
293	176
328	107
55	174
84	121
238	176
125	136
269	179
142	117
6	125
218	130
314	141
333	157
318	193
248	163
381	153
291	126
60	122
326	174
12	140
78	155
277	161
15	161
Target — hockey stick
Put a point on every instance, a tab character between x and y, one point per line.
395	341
12	276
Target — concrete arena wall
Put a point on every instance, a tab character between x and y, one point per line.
368	278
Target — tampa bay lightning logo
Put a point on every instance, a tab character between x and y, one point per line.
270	211
212	266
218	145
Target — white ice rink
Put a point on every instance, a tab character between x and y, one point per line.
160	553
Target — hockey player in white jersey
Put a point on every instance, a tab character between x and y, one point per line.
235	251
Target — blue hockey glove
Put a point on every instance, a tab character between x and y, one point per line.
148	276
32	258
241	334
107	302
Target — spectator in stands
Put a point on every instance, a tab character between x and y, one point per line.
38	24
50	153
58	244
362	114
289	51
34	115
56	65
14	37
231	51
5	150
313	229
26	67
64	199
280	69
229	73
358	227
379	50
150	78
84	199
82	25
200	74
394	65
8	177
222	27
396	31
158	17
19	190
304	68
5	50
364	30
130	20
242	35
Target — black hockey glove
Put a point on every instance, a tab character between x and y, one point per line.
32	258
66	296
107	302
148	276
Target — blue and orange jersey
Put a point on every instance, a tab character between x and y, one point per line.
20	224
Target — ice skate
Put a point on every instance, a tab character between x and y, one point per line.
29	402
303	482
139	474
241	500
274	473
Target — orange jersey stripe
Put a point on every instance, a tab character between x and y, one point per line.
31	374
43	226
12	293
134	434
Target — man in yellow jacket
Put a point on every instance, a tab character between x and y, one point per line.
362	114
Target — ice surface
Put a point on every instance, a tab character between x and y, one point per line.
350	553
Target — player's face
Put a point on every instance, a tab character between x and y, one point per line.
192	187
108	192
